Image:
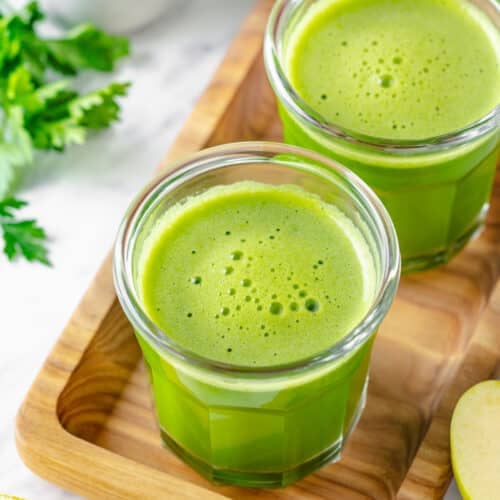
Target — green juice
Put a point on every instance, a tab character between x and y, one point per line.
401	70
255	275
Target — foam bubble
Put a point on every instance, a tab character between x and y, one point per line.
276	308
236	255
312	305
386	81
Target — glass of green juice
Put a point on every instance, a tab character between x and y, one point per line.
404	93
255	276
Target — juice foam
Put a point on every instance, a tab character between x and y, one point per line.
253	274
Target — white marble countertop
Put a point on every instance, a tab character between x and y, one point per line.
79	197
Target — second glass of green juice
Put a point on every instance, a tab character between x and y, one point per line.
255	276
406	94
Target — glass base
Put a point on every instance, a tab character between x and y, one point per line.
266	479
425	262
253	479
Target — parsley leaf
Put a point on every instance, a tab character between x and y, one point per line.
85	47
21	237
15	149
67	116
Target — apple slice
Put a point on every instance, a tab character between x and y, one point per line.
475	442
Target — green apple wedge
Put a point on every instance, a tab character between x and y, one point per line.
475	442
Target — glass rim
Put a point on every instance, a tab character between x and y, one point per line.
299	108
203	162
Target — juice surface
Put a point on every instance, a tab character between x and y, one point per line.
253	274
399	69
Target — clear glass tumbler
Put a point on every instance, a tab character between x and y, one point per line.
436	190
258	426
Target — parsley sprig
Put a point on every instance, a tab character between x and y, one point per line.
40	112
21	237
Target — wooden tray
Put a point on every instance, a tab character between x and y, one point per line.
87	422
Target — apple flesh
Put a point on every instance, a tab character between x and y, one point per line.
475	442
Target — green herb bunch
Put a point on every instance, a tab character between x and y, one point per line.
40	111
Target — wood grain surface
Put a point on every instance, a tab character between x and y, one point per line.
88	422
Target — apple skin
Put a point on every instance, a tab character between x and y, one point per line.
475	442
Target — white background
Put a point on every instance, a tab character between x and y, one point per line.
80	196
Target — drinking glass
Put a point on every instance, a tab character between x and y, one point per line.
258	426
436	190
